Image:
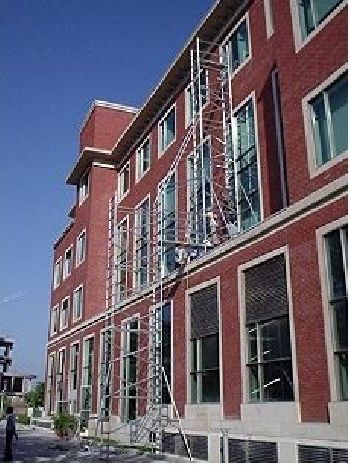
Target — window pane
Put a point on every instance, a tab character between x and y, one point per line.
321	136
210	352
194	355
307	23
341	324
240	48
254	389
194	389
252	344
343	375
211	386
275	341
277	381
338	101
337	284
323	8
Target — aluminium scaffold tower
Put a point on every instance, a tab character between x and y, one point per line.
166	238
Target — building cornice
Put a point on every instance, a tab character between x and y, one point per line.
86	157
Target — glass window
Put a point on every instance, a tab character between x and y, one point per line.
205	372
81	248
166	350
68	262
143	158
203	92
129	377
64	313
142	244
243	182
50	383
121	259
167	130
269	361
54	320
61	403
78	303
74	357
313	12
87	374
124	181
239	46
167	226
200	193
336	248
83	188
57	273
105	371
329	112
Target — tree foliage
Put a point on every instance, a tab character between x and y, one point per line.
35	397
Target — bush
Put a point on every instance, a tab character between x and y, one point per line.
64	424
24	419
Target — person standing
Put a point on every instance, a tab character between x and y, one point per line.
10	432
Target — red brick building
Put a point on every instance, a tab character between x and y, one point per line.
223	204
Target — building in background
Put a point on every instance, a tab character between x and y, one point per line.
208	246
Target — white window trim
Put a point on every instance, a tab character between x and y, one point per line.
328	327
111	378
227	39
268	18
60	273
315	170
81	199
116	276
187	92
56	310
83	355
51	355
125	321
134	274
242	318
77	262
64	275
251	96
67	298
160	151
60	351
74	318
188	293
121	195
139	176
77	342
298	41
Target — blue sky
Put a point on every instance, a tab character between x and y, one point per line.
56	57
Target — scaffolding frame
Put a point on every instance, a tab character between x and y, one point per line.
210	218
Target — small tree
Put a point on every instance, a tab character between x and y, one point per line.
35	397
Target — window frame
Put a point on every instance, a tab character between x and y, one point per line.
188	293
284	250
65	299
91	367
121	179
79	261
321	234
100	363
50	386
65	274
160	123
299	42
227	41
84	188
60	382
188	99
73	344
136	271
116	282
57	279
54	311
139	157
314	169
74	317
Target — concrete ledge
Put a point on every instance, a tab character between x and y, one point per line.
338	413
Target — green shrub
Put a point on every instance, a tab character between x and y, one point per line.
64	424
23	418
